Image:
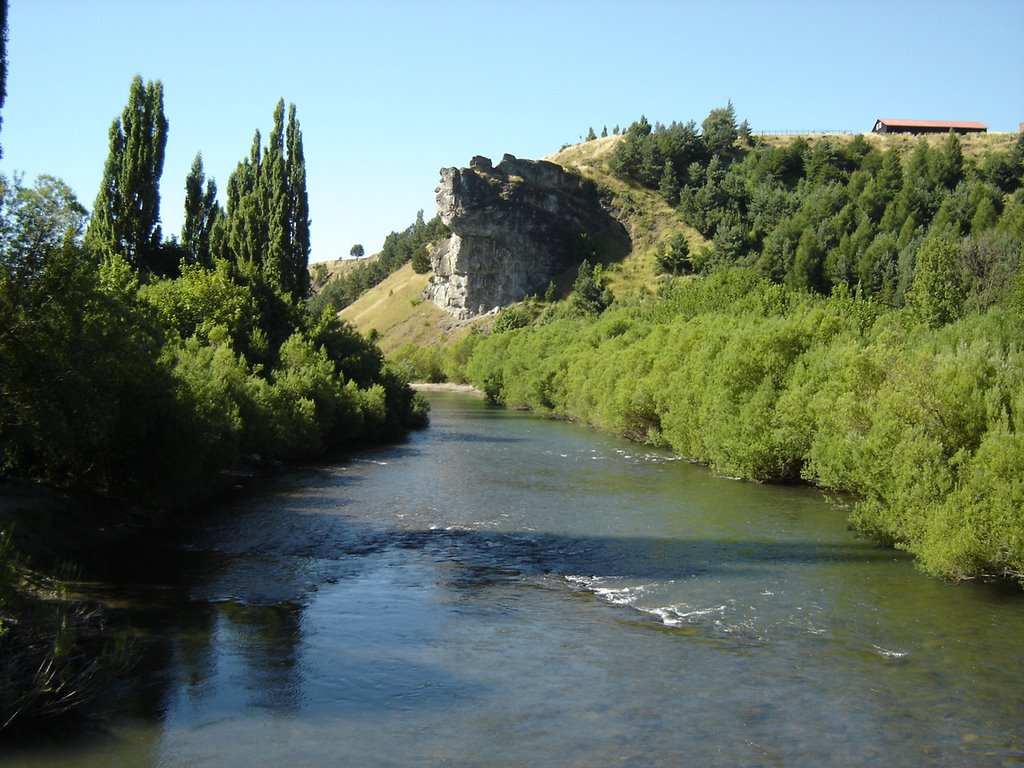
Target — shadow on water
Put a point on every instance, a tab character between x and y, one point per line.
222	627
252	578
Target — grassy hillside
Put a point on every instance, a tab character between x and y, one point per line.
395	311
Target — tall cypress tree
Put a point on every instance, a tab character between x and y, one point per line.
126	214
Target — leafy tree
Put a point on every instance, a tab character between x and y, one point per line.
357	251
990	262
511	318
201	212
590	134
126	214
936	295
202	302
37	222
604	132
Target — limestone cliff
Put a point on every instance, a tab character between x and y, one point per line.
515	227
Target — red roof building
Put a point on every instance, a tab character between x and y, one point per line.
888	125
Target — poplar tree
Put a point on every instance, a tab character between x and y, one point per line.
3	61
298	210
267	217
126	214
201	211
245	239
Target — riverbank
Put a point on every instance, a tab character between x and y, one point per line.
466	389
57	650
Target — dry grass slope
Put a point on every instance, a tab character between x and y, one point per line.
395	310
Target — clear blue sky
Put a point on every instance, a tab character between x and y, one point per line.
389	92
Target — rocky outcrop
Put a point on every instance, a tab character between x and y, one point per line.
514	228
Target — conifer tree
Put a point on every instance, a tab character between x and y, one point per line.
744	132
669	184
126	214
719	129
806	272
949	162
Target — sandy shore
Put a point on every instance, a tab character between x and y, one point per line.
468	389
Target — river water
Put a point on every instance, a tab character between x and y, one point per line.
503	590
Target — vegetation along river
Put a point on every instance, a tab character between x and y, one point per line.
504	590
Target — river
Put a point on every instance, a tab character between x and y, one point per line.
503	590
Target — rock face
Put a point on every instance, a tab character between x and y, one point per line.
515	227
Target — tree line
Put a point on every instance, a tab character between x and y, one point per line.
819	214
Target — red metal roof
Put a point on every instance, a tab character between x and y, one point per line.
932	123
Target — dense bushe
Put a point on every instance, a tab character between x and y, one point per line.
856	322
139	369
